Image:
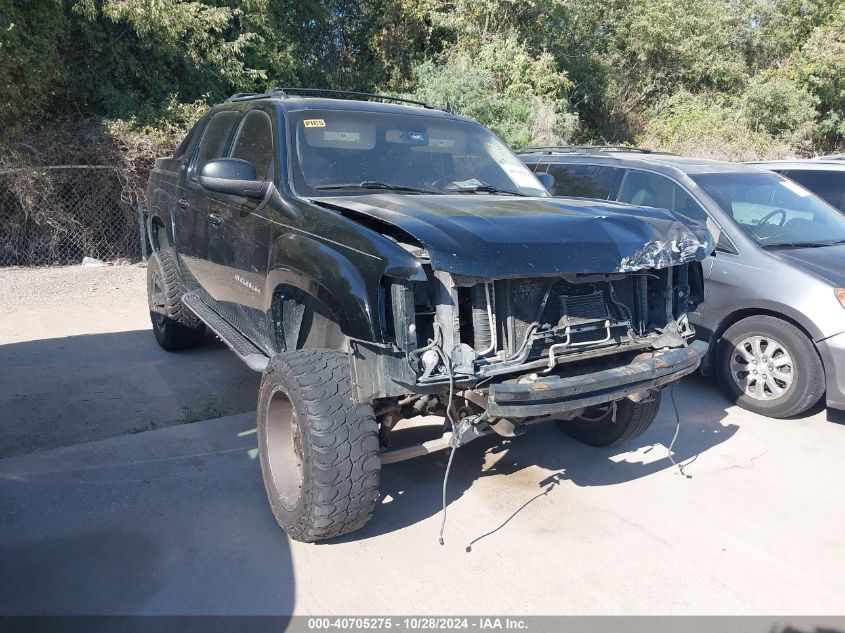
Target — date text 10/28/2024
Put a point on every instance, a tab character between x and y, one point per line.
480	623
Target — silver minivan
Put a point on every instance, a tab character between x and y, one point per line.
773	306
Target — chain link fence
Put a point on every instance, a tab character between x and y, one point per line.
60	214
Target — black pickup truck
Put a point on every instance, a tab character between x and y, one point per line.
380	260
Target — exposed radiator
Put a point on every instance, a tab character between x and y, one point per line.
578	309
567	304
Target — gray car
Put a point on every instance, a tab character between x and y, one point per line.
824	176
774	289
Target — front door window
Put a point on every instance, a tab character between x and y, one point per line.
646	189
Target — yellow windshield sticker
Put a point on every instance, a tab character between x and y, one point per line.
314	123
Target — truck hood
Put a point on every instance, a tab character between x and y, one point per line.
506	236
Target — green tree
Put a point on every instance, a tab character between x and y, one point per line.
779	106
523	98
534	70
33	37
135	51
819	65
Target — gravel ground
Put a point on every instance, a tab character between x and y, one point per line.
38	303
78	362
29	287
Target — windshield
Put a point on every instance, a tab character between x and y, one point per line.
776	212
359	152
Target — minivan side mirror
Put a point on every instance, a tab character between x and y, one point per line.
546	179
234	176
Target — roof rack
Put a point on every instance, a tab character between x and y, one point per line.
246	96
574	149
287	92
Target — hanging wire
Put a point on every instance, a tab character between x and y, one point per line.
678	465
451	420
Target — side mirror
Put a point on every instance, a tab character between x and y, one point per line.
546	179
233	176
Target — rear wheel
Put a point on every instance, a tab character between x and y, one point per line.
613	423
319	449
769	366
175	327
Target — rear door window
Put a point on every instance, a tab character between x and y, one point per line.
215	141
585	181
646	189
828	185
190	138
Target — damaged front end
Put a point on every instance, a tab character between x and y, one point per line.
513	351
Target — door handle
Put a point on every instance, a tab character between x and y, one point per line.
215	219
183	204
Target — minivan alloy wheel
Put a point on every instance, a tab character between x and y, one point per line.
762	367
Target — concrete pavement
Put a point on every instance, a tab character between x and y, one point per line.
174	521
78	362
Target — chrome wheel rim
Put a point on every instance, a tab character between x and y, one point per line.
157	301
283	445
762	367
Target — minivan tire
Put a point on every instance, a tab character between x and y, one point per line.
319	450
600	427
807	372
175	327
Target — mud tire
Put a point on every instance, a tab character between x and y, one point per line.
175	327
335	446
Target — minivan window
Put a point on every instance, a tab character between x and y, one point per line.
646	189
254	143
774	211
829	185
215	141
585	181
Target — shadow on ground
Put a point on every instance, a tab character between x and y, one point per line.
411	491
56	392
172	522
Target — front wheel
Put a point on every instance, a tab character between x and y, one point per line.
319	449
770	367
613	423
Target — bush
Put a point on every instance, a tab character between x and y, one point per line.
707	126
779	106
520	97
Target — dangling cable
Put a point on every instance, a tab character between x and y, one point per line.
679	466
446	479
448	365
